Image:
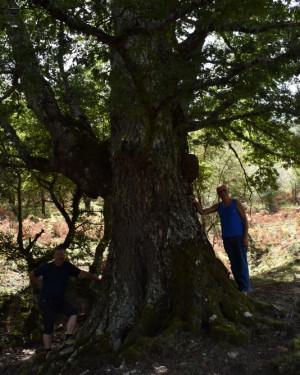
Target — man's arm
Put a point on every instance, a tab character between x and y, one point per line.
34	280
242	212
204	211
89	275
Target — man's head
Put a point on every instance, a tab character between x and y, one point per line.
222	190
59	255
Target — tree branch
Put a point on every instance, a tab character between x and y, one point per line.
70	97
215	122
24	251
75	214
31	162
193	44
32	242
264	148
185	10
20	214
266	63
241	165
55	200
7	164
254	29
39	95
75	23
69	219
71	137
8	92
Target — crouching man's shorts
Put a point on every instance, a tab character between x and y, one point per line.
50	308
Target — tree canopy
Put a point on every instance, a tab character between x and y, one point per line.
229	69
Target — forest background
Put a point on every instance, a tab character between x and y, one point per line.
47	213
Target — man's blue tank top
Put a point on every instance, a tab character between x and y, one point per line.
231	221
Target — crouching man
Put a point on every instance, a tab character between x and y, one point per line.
55	278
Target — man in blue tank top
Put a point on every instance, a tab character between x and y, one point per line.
55	279
234	225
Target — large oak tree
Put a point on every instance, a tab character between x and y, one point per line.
150	72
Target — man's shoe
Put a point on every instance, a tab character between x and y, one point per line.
69	341
49	354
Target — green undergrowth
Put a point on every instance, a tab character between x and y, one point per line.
284	273
20	316
173	340
288	364
15	312
175	344
295	344
230	334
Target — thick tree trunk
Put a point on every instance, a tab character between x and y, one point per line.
97	265
161	269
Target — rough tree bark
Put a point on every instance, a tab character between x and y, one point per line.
97	265
161	268
161	272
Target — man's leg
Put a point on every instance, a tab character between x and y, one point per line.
244	278
229	248
71	325
69	310
48	311
237	254
47	341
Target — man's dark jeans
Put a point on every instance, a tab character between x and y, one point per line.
237	254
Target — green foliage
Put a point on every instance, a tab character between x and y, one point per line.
234	79
230	334
14	311
295	344
285	364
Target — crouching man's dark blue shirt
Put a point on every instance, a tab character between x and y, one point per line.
55	279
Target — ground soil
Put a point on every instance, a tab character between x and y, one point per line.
279	286
203	355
